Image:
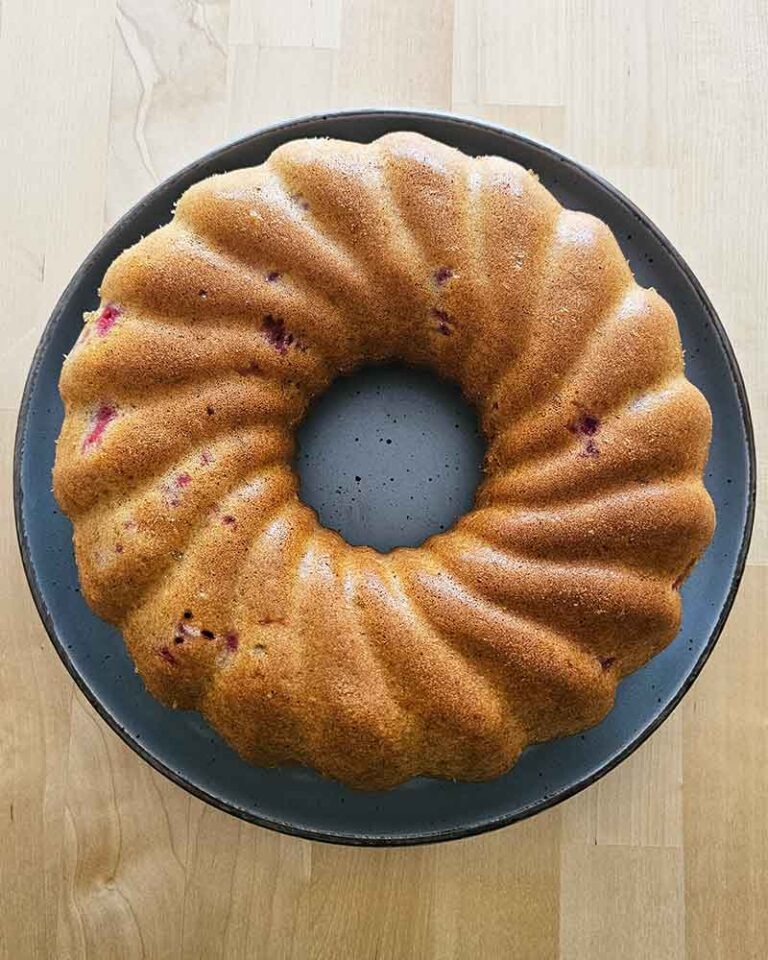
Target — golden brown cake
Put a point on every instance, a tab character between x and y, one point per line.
182	396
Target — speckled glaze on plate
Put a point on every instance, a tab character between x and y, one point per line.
296	800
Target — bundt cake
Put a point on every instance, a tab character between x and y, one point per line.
182	395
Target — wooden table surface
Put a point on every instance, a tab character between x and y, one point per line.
101	857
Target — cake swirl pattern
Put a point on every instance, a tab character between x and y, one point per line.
182	396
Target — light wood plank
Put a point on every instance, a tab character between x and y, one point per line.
395	54
300	23
619	111
726	797
114	805
253	69
626	903
542	123
168	93
35	695
499	896
246	891
490	896
537	34
369	903
53	102
640	804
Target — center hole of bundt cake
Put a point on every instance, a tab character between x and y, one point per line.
389	456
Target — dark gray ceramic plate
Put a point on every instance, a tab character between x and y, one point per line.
295	800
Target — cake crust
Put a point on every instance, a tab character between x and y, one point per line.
218	330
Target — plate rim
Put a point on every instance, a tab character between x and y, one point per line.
326	835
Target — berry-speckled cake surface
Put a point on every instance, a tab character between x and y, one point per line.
182	396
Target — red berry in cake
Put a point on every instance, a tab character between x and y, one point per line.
444	322
232	641
591	449
273	330
587	425
443	275
107	319
104	415
166	654
172	489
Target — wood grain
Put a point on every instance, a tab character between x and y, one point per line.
102	857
